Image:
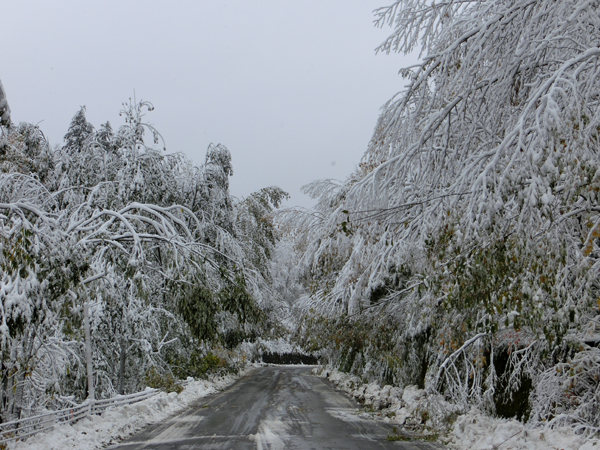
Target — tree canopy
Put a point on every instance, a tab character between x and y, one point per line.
473	212
157	248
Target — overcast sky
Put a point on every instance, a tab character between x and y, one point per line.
292	88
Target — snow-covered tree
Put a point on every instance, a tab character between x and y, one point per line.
255	225
472	221
142	237
4	108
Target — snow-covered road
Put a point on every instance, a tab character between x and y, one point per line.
275	407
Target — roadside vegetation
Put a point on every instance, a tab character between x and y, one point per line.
462	255
460	258
173	271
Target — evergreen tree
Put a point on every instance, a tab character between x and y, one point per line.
79	134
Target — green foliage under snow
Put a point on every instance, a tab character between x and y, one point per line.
170	265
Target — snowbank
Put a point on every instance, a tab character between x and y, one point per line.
477	431
421	416
114	424
255	349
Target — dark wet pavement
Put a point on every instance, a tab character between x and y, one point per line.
273	407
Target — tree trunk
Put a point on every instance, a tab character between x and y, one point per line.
19	377
88	350
123	357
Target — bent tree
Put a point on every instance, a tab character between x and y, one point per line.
474	212
110	221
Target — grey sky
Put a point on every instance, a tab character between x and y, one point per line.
292	88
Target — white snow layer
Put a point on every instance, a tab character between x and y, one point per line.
262	346
473	430
114	424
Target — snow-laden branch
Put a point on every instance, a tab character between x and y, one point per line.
480	190
452	357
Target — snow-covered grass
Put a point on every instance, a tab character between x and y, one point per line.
419	415
98	431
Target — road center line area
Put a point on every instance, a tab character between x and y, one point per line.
273	407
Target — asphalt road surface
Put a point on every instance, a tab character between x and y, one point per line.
273	407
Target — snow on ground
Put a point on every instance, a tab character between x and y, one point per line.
419	415
477	431
261	346
114	424
407	408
